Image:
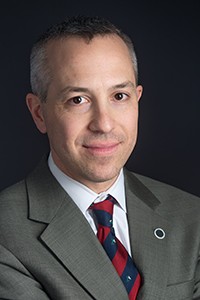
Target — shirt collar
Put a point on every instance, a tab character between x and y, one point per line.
81	194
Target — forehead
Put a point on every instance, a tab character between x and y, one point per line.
76	56
72	47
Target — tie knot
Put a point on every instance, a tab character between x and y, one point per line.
103	211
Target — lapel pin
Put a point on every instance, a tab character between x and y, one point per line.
159	233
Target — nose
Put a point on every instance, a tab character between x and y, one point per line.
102	120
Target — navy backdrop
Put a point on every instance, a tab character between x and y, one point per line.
167	42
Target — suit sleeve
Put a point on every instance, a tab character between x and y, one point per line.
16	283
196	295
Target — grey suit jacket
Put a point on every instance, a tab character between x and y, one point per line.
48	250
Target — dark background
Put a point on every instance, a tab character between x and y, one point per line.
167	42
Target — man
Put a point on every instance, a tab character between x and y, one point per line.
85	97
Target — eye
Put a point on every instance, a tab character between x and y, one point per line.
77	100
120	96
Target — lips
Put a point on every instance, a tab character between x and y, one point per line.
102	148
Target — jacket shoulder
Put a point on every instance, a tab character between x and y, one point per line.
12	200
170	197
14	191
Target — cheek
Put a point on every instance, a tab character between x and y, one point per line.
68	130
131	122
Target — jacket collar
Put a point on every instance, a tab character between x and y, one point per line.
69	236
149	252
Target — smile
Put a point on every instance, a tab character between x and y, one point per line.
102	149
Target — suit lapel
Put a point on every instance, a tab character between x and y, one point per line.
69	236
149	252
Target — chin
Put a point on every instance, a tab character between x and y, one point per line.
104	176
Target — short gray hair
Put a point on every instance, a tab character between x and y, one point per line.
79	26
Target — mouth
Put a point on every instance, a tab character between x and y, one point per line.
102	149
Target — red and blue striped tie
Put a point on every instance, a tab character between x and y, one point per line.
123	263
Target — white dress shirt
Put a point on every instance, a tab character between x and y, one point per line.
84	197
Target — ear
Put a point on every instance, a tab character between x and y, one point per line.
139	90
36	109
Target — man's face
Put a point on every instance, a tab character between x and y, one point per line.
91	112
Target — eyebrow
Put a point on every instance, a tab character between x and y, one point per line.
77	89
123	85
